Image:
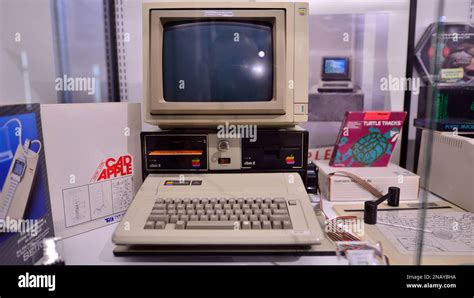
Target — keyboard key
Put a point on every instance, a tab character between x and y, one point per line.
184	217
267	211
171	211
263	217
210	225
279	217
253	217
236	206
257	211
287	225
244	218
209	212
233	217
256	225
280	211
219	212
266	225
279	200
229	212
199	206
264	206
214	218
160	201
224	217
208	207
179	225
273	206
276	224
180	206
194	218
218	206
238	212
246	225
149	225
159	225
191	212
255	206
200	212
181	212
204	218
171	206
173	218
158	212
159	206
248	212
157	217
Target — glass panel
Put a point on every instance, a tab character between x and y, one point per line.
61	57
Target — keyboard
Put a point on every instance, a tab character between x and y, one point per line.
220	214
220	209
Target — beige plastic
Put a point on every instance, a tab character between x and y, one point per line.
291	67
306	229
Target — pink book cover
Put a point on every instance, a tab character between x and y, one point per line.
367	139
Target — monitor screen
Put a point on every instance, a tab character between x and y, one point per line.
218	61
335	66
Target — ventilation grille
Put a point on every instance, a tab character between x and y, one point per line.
448	140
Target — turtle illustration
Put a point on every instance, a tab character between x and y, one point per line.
368	148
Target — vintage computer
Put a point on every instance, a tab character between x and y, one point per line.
336	75
210	67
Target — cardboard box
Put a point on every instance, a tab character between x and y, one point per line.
339	188
94	163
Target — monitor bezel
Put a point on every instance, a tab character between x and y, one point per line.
159	106
346	76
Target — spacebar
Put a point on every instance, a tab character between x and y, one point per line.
210	225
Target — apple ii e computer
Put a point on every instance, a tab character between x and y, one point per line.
336	75
213	73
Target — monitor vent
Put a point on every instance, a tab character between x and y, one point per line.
448	140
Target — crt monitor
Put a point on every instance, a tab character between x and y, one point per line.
336	69
209	63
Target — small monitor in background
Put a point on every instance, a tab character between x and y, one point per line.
336	75
335	69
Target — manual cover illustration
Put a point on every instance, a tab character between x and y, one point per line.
367	139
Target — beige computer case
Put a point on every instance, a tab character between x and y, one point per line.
446	167
290	103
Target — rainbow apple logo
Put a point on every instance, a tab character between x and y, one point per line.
195	162
290	160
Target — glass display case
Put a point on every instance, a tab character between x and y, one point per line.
364	55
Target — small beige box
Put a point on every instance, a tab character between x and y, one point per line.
340	188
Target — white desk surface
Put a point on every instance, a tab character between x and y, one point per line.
96	248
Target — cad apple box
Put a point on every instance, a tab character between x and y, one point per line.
367	139
94	163
25	211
